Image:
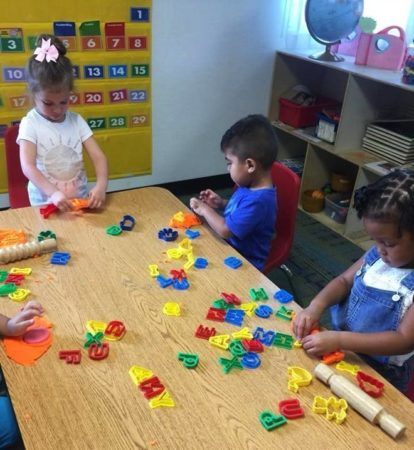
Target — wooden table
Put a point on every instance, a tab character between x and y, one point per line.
95	405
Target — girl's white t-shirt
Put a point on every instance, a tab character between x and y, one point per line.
59	153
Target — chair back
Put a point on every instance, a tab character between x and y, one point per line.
17	181
287	185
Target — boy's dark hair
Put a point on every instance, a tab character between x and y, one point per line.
389	199
252	137
51	76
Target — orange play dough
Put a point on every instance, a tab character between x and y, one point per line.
27	354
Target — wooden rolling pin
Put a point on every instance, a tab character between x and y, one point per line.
359	400
27	250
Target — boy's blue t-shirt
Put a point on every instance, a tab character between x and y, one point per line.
250	215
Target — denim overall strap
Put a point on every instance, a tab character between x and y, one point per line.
367	309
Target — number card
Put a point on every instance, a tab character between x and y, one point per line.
138	95
137	42
69	42
74	98
139	70
91	43
11	40
117	71
139	14
93	98
14	74
76	71
139	120
117	122
115	43
31	42
97	123
120	95
93	71
19	101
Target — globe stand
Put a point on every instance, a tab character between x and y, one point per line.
327	55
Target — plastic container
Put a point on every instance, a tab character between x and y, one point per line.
337	206
341	183
312	203
299	116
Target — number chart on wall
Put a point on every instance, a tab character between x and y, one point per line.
109	44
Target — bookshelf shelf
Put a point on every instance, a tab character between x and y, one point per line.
366	94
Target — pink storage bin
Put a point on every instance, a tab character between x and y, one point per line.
392	57
361	55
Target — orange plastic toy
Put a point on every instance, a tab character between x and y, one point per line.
184	220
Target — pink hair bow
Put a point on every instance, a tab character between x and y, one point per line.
50	52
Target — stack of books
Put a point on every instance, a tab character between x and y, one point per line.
391	139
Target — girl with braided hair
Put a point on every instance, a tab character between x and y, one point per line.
371	302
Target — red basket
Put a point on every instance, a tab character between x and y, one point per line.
299	116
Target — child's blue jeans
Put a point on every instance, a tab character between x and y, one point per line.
9	431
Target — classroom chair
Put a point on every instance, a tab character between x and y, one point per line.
287	185
410	391
17	181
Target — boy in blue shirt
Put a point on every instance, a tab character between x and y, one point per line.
248	221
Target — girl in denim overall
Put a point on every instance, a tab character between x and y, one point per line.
371	302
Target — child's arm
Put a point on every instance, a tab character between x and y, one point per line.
384	343
28	153
212	199
19	323
216	222
334	292
98	158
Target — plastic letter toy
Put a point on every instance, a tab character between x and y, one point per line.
14	278
6	289
93	339
235	316
216	314
346	367
20	271
271	421
164	282
79	203
244	333
47	210
192	234
291	409
127	223
171	309
190	360
168	234
44	235
139	374
152	387
174	253
205	332
70	356
220	341
19	295
331	407
181	285
236	348
164	399
231	298
369	384
114	230
252	345
258	294
220	304
60	258
283	340
154	271
251	360
298	377
283	296
200	263
233	262
94	327
265	337
229	364
263	311
178	274
97	352
284	313
297	344
114	331
249	308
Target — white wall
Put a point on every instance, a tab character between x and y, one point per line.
212	63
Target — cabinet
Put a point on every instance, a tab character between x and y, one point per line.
366	94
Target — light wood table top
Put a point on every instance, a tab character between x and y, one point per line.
95	405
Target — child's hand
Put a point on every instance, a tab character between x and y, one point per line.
198	206
59	199
305	321
96	197
320	343
18	324
211	199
